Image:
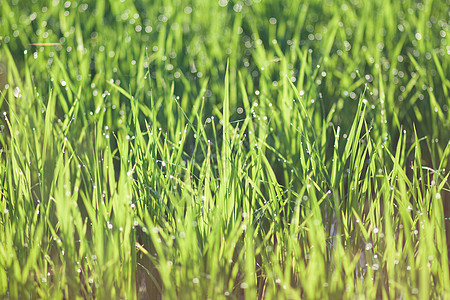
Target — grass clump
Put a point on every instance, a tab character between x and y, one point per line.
224	149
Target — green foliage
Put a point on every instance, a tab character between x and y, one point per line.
257	149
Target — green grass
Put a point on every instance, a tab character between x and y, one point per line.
214	149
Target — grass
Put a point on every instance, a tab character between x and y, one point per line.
217	149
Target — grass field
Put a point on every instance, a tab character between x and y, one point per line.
224	149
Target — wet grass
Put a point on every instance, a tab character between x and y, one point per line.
212	149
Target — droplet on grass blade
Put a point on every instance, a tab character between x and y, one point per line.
244	285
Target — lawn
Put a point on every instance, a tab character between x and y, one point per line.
254	149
